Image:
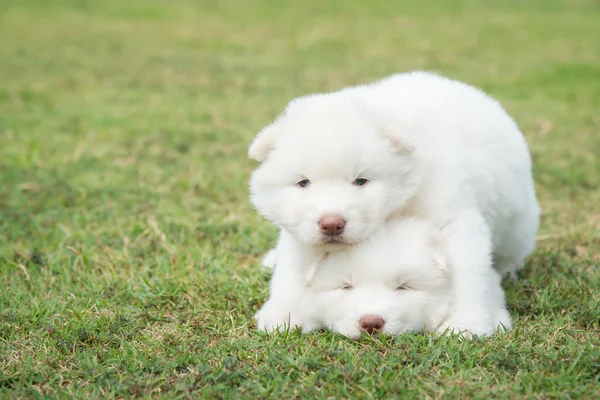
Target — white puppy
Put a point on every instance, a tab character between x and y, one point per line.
335	167
399	280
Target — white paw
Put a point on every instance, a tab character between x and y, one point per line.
309	325
272	317
468	323
268	260
502	320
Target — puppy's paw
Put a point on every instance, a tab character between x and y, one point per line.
268	260
468	323
272	317
309	325
502	320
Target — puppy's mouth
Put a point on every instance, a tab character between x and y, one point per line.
334	240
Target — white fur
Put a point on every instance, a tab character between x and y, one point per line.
401	274
432	148
268	260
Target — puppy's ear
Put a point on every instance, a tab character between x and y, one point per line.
402	146
309	273
391	132
441	260
441	264
264	142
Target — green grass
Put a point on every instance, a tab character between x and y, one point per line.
129	254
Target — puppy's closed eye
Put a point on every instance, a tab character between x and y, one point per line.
402	287
360	181
303	183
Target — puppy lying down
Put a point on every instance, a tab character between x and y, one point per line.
400	280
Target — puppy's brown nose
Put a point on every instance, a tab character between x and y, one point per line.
371	324
332	225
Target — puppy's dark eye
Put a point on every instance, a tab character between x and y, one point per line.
402	287
360	181
303	183
346	286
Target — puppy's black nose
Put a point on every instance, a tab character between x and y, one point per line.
332	225
371	324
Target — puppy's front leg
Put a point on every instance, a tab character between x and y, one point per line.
475	283
287	285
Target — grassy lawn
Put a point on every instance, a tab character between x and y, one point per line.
129	253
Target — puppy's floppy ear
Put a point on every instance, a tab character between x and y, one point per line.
264	142
312	270
441	264
390	132
441	259
402	146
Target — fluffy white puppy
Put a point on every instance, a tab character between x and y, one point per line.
399	280
336	166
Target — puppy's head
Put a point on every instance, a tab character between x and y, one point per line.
397	281
330	172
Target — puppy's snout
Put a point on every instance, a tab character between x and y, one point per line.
332	225
371	324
